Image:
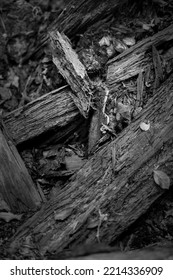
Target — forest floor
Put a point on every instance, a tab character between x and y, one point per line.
27	72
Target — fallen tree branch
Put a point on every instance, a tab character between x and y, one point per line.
134	60
79	15
55	109
112	190
52	111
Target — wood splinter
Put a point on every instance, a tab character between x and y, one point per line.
71	68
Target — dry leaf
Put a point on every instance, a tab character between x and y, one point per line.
161	179
144	126
8	216
146	26
129	41
12	79
119	46
137	111
122	108
110	51
73	162
122	111
105	41
5	93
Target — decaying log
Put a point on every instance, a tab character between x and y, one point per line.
112	190
55	109
79	15
134	60
71	68
16	186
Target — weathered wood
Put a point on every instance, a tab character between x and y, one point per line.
112	190
16	186
55	109
134	60
71	68
94	131
78	15
42	114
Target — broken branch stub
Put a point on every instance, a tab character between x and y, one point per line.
71	68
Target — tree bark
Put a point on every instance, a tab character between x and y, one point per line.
79	15
53	110
16	186
112	190
134	60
